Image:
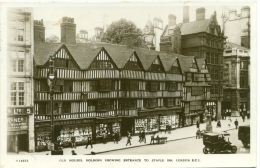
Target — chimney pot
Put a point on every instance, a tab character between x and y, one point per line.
39	30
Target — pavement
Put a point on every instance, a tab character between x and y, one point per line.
177	134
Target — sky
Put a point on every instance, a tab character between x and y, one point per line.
87	16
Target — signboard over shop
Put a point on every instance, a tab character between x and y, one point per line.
67	122
17	122
19	110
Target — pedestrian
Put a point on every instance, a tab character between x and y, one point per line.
140	137
104	135
218	124
152	138
143	136
198	134
236	123
89	142
73	152
116	137
243	117
198	124
128	139
73	141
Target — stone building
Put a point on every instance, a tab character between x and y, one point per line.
237	27
201	38
236	99
152	33
20	118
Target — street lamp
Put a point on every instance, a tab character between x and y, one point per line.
51	83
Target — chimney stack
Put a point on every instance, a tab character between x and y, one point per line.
129	38
39	30
186	14
68	31
200	14
245	11
171	20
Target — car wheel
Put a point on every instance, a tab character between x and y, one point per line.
245	144
233	149
216	151
205	150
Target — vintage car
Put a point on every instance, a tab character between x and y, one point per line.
217	142
244	135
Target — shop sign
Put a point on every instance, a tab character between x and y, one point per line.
19	122
19	111
68	122
16	132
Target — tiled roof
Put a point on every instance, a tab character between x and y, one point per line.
200	62
194	27
185	62
43	50
233	45
167	60
146	57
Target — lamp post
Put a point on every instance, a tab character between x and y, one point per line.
51	83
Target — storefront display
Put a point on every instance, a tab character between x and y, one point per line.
188	121
108	128
149	124
81	133
43	137
169	122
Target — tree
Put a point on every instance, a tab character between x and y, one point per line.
114	31
52	39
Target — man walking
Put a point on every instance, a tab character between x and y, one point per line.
73	141
152	138
104	137
236	123
198	124
128	139
143	136
116	137
89	142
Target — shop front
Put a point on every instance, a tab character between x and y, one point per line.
18	129
107	126
157	120
193	118
63	131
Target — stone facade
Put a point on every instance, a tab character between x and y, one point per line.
20	129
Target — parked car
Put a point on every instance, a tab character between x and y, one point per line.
217	142
244	135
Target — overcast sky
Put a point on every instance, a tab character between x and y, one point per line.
90	15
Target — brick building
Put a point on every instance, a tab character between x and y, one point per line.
203	39
104	87
236	99
20	118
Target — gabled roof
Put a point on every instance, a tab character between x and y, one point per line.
185	62
167	60
230	45
146	57
194	27
200	62
43	50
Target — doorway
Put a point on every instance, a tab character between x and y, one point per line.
23	142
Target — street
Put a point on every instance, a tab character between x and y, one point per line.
185	146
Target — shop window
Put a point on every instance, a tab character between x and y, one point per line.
170	122
172	86
17	93
149	124
196	91
43	137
